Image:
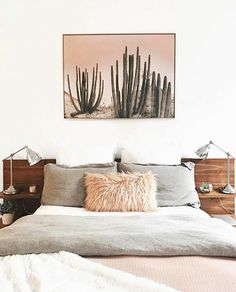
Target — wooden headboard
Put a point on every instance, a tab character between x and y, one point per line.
25	175
209	170
212	170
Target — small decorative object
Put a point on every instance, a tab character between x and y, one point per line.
203	151
32	189
206	187
32	158
8	209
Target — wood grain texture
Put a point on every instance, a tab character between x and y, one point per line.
21	195
214	171
25	175
218	206
214	195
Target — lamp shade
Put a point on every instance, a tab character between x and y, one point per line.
203	151
32	156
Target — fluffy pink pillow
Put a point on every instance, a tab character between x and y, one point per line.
120	192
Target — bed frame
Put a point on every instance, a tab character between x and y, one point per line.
209	170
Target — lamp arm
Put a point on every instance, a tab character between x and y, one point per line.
13	154
228	162
227	153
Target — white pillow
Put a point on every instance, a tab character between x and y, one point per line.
165	154
85	153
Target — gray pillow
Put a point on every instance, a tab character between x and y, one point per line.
175	183
64	186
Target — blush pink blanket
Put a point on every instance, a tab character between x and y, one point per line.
187	274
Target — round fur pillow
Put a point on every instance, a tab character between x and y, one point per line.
120	192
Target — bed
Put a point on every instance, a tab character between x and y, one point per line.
184	273
179	246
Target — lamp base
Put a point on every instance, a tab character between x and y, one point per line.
228	189
10	191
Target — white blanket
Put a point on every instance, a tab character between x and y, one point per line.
63	271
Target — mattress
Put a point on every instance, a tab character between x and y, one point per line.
185	273
74	211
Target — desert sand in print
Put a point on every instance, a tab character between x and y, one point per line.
106	82
102	112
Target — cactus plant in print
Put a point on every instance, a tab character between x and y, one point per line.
156	94
168	101
161	97
130	100
87	100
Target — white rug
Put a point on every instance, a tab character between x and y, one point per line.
68	272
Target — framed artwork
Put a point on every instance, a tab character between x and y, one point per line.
113	76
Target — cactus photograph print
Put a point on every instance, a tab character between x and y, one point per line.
112	76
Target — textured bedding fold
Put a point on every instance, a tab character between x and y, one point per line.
150	235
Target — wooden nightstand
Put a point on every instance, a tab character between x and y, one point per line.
22	195
27	203
217	203
24	176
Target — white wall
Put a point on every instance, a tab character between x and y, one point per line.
31	93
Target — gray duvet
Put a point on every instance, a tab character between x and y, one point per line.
151	235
